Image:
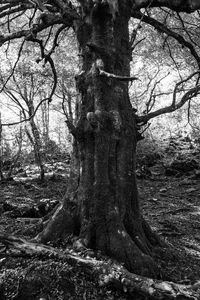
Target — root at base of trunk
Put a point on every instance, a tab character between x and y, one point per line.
106	272
61	223
112	238
114	241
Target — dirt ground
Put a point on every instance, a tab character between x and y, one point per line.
170	205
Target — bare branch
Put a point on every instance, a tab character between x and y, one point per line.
173	59
180	83
191	93
163	28
186	30
18	8
47	58
180	6
150	103
14	67
27	119
51	19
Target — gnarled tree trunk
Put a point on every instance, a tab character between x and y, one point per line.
108	208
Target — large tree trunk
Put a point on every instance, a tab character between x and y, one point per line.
108	207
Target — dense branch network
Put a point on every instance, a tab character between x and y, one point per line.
163	28
45	14
41	15
186	41
189	94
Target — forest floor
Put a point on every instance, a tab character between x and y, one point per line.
171	205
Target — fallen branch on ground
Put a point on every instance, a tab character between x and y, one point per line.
108	272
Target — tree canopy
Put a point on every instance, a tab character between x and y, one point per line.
45	22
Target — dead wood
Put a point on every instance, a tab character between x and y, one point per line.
107	271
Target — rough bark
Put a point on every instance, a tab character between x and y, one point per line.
106	272
108	207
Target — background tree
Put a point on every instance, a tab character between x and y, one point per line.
105	214
23	90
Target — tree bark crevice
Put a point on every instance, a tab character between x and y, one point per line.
107	196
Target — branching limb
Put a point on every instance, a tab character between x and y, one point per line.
29	118
173	59
191	93
180	6
181	83
47	58
14	67
152	99
42	23
163	28
13	10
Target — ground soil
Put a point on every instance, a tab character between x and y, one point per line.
169	204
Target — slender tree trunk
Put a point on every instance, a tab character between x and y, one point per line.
108	207
36	143
37	148
45	123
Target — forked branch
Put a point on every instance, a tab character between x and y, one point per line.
163	28
191	93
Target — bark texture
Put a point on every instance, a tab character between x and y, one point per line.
108	206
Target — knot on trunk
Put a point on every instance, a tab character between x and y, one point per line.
92	119
99	119
103	119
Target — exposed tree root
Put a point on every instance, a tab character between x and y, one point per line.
116	242
61	223
108	272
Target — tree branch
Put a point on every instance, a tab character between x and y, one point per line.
14	67
191	93
28	119
188	6
45	20
163	28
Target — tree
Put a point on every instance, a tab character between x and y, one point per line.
22	92
104	212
